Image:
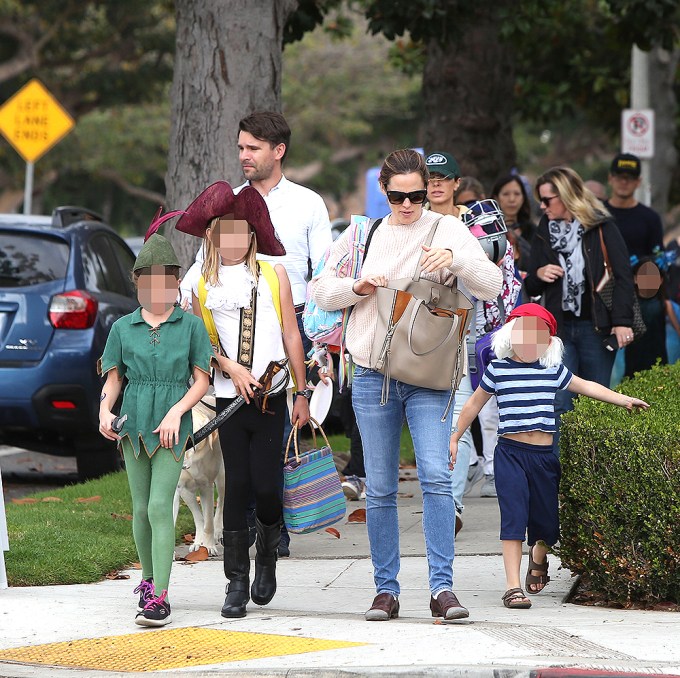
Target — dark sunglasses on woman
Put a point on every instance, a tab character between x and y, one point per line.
398	197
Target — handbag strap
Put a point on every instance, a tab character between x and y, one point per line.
427	242
605	254
293	435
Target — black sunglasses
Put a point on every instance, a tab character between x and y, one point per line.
545	200
398	197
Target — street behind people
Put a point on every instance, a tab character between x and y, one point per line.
251	305
156	348
567	266
396	250
525	378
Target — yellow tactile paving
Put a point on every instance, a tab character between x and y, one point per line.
154	650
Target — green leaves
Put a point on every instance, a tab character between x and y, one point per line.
620	492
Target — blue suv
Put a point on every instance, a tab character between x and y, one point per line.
64	280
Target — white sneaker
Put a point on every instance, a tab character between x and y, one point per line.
489	487
354	488
475	474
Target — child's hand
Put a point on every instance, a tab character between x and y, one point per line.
635	402
453	452
300	413
168	429
243	380
106	418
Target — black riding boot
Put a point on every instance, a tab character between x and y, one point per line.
266	544
237	571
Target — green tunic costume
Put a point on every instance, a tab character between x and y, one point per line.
157	362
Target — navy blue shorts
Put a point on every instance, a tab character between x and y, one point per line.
527	485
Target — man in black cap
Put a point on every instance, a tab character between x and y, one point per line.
642	232
640	226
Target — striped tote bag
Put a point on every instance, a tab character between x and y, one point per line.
312	494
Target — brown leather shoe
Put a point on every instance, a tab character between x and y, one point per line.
385	606
448	607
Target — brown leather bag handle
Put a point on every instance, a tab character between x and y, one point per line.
607	265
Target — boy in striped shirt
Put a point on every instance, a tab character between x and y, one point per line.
525	377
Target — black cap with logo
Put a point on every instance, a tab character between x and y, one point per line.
626	163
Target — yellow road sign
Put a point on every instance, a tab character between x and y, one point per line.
33	121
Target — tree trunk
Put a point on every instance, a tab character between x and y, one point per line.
662	68
467	95
227	65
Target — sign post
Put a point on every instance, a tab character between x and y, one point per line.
33	121
637	132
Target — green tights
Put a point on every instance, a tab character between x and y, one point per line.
152	485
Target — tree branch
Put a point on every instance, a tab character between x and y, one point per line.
131	189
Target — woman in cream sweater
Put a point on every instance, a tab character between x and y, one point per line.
396	246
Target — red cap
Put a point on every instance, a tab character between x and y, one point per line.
537	312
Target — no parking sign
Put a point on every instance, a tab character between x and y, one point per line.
637	132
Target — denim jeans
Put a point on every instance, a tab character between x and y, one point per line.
380	428
587	358
466	446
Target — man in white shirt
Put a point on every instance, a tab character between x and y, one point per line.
299	215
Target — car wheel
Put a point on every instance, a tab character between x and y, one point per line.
96	458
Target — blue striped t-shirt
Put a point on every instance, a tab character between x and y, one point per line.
525	393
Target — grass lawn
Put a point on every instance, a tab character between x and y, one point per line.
66	541
340	443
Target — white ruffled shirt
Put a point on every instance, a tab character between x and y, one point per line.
226	301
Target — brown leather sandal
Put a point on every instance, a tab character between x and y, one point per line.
533	579
516	600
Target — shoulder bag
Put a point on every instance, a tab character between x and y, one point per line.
605	290
420	333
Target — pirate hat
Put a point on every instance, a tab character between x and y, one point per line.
218	200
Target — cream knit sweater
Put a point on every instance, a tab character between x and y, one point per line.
394	252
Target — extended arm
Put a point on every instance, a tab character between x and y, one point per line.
606	395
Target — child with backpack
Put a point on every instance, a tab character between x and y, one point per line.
525	377
156	348
247	306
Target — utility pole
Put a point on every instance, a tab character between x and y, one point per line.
639	99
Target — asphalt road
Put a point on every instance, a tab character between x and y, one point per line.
25	472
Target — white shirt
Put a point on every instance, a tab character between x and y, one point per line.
301	221
190	279
225	301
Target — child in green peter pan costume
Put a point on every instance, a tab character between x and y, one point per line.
157	348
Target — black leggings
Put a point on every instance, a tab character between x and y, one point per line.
251	448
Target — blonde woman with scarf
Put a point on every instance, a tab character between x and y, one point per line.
566	266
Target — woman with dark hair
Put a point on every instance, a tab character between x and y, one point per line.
566	267
509	192
395	251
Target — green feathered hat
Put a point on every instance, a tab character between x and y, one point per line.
156	251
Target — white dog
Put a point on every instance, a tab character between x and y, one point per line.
203	468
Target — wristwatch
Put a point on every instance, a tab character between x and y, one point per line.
307	393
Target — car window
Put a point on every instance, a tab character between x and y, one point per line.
102	273
31	259
126	261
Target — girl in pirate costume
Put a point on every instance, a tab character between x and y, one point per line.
157	348
251	306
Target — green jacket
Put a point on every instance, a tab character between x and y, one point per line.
157	363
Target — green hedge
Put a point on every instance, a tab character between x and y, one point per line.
620	492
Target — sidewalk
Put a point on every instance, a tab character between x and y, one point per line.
315	625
